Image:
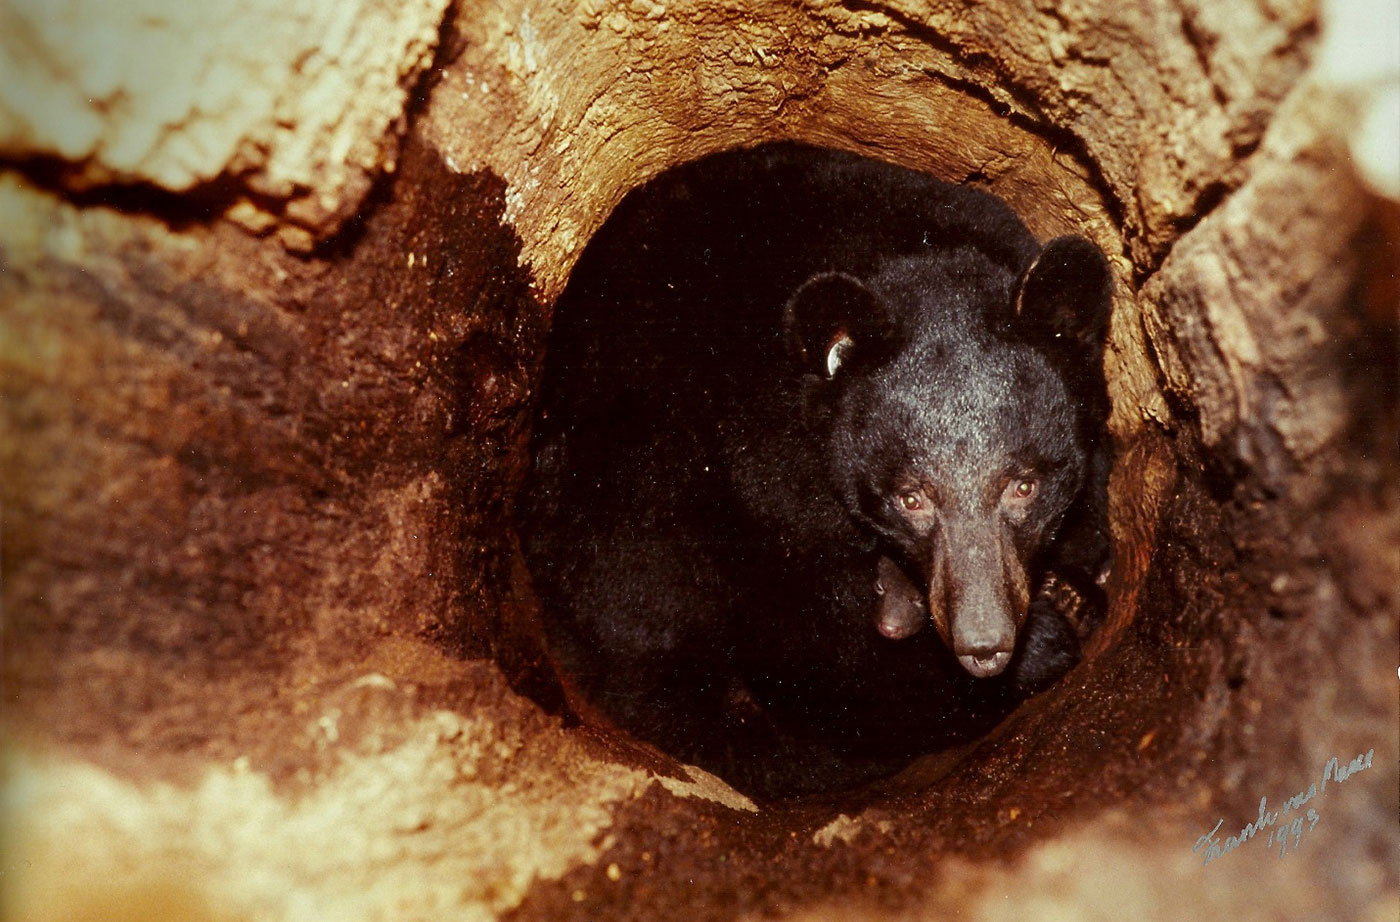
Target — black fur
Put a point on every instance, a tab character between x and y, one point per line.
716	493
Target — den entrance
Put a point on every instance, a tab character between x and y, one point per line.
820	467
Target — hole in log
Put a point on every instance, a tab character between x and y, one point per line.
820	467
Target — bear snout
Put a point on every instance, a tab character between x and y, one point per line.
978	594
983	647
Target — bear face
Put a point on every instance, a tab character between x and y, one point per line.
951	435
900	609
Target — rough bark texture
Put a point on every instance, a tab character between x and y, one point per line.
274	282
280	114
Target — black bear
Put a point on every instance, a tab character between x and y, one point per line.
797	406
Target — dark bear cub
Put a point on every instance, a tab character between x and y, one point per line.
798	407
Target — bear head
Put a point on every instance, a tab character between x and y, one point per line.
943	388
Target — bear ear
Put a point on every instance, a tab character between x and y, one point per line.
832	320
1067	292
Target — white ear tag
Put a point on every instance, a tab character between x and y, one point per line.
836	353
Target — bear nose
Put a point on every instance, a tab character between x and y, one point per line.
983	636
982	646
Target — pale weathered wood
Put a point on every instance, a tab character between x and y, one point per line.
279	112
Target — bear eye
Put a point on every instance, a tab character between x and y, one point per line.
1024	488
911	501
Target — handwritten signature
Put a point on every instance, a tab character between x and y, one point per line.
1210	847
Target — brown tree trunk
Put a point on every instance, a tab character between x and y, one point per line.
274	282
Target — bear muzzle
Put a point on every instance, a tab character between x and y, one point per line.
978	595
984	636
